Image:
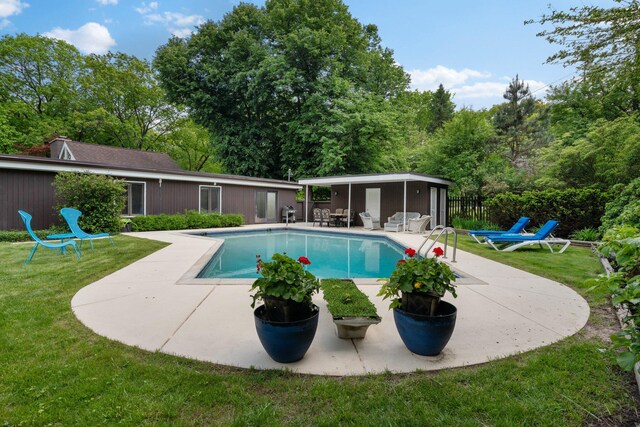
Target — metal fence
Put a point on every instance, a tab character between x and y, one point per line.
467	207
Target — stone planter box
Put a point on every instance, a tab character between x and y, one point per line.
354	327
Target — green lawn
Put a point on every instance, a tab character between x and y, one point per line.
55	371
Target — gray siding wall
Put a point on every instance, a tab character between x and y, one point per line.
32	192
28	191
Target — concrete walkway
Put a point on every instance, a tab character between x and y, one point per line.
152	305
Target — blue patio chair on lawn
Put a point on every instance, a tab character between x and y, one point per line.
26	218
511	242
71	216
518	227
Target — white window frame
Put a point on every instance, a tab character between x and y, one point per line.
219	187
144	198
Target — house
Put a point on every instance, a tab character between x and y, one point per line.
155	185
384	194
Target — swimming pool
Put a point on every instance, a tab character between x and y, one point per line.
332	255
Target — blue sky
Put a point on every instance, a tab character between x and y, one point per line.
474	48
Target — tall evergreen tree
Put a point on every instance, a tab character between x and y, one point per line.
441	109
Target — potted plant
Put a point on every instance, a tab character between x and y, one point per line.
416	286
287	322
351	309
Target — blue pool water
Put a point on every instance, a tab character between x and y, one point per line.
332	255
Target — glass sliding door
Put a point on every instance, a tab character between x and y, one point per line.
266	206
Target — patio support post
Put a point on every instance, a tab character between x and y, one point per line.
404	218
349	209
306	203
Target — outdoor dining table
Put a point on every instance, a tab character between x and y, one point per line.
336	217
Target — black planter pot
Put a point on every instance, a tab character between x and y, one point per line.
426	335
420	302
286	310
286	342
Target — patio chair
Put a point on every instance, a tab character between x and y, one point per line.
370	223
348	218
511	242
26	218
317	217
339	211
397	222
71	216
325	216
419	225
518	227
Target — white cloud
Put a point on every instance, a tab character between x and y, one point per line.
90	38
9	8
107	2
469	84
176	23
431	78
146	8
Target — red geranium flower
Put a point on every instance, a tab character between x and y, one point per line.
410	252
400	262
304	260
438	252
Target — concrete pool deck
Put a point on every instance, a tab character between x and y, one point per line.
154	305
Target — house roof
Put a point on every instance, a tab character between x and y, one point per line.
21	162
115	156
375	178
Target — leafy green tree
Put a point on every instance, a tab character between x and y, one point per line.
191	146
608	154
441	109
459	150
38	86
262	80
124	105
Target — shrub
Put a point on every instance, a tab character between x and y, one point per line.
574	209
473	224
625	206
188	220
622	247
586	234
23	235
100	199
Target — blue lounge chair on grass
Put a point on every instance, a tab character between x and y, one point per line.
511	242
26	218
517	228
71	216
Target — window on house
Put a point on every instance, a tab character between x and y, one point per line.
135	199
210	199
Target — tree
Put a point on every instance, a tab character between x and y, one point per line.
38	86
441	109
262	80
191	146
519	124
601	41
458	151
124	105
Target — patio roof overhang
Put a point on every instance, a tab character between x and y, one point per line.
374	178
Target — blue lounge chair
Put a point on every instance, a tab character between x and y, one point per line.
518	227
26	218
511	242
71	216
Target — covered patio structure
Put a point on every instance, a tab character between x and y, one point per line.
384	194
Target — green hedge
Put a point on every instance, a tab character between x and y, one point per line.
23	235
575	209
189	220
